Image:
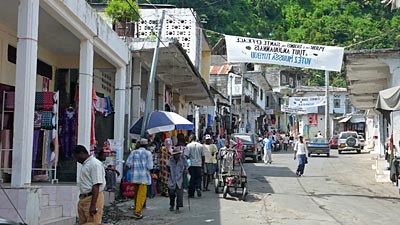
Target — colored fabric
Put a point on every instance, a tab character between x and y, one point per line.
39	100
300	148
140	161
92	172
10	100
164	174
35	145
68	132
209	153
267	156
83	210
141	194
175	193
48	100
47	117
37	120
195	179
302	164
100	105
267	142
177	170
195	152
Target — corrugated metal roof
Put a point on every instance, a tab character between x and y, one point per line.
220	70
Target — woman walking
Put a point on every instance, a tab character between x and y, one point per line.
300	152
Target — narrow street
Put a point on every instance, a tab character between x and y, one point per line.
340	189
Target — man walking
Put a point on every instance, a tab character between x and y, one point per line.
210	150
267	142
140	161
177	168
195	152
91	183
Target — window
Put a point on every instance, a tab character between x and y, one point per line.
267	102
261	95
336	103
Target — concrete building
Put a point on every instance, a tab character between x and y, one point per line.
37	39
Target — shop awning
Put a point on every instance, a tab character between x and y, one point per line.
344	120
357	119
388	101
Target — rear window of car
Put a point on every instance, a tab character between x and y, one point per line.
335	137
319	140
243	138
346	135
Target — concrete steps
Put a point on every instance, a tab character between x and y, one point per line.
50	212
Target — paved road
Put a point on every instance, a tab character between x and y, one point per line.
340	189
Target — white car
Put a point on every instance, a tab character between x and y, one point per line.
361	140
349	141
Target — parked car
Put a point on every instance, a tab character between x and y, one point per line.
318	146
348	141
333	142
251	145
361	140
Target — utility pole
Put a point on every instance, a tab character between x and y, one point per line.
150	87
230	100
327	104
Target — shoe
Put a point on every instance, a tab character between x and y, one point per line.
199	193
171	208
138	216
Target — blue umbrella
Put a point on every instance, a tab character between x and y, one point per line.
161	121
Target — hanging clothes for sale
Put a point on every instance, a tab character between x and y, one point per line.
68	131
94	100
103	106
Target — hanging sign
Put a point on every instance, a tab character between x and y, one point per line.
306	102
269	111
253	50
293	110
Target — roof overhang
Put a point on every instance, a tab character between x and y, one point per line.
367	73
174	68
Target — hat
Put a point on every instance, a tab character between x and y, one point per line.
176	151
143	141
300	136
207	136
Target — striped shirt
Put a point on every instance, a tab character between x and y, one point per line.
140	161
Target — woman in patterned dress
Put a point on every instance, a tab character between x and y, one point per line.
165	154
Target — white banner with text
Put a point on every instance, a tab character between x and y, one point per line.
253	50
306	102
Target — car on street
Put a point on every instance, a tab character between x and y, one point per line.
251	145
361	140
333	142
318	146
348	141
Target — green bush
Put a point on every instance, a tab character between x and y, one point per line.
122	11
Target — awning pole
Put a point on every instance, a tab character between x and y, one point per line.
327	104
150	87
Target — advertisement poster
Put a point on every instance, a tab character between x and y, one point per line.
254	50
116	149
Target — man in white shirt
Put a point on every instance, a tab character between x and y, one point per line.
195	152
91	183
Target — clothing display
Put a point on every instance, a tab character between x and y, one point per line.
45	120
68	131
104	106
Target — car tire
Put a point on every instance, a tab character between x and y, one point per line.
358	151
327	155
255	159
351	142
340	151
309	154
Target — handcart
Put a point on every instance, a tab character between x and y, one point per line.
227	177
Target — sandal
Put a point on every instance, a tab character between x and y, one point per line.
138	216
132	207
